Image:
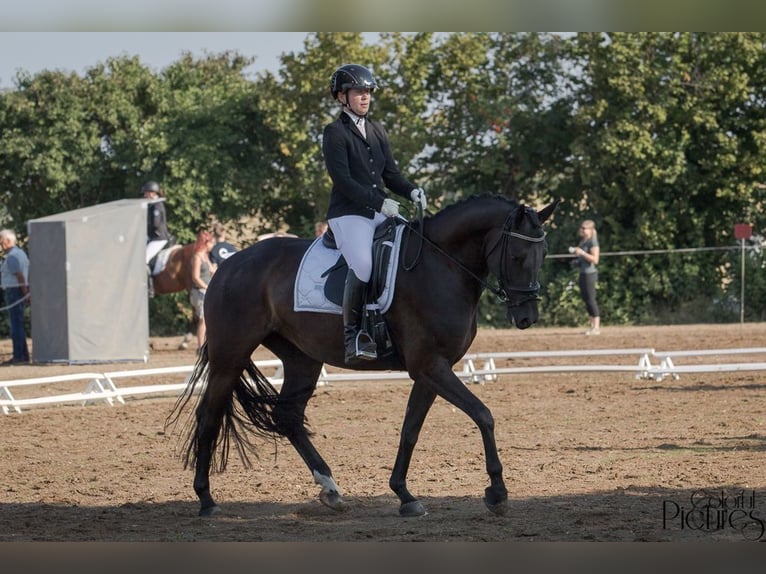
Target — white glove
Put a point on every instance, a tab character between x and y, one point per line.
419	196
390	208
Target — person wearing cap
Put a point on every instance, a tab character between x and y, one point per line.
157	232
157	235
358	157
222	249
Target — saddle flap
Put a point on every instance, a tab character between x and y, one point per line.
158	263
336	281
322	274
382	247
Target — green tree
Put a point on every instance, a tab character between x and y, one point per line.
658	137
667	149
498	122
46	143
210	146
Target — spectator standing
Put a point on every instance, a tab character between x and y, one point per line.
202	269
222	249
587	253
14	276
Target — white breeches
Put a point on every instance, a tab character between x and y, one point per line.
353	236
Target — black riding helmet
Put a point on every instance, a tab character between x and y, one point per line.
351	76
150	186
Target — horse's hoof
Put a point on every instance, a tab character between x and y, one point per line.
209	511
183	346
411	509
332	499
497	508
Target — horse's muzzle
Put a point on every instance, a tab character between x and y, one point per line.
522	316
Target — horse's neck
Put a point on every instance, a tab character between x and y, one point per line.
464	229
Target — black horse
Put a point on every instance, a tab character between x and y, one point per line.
432	322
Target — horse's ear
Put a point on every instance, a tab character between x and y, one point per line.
547	211
520	212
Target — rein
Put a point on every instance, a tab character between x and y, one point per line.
410	267
499	291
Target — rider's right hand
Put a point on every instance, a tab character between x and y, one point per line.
390	208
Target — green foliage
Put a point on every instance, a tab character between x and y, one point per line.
170	314
214	153
666	153
754	283
660	138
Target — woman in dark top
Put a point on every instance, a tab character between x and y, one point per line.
587	253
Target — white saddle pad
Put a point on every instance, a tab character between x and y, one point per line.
309	283
162	259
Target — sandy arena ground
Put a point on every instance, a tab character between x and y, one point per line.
587	456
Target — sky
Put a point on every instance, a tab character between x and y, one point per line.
78	51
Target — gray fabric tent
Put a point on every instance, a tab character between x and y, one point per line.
88	284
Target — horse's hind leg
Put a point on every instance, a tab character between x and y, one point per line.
296	394
300	377
210	412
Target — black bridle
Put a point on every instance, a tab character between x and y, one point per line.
527	293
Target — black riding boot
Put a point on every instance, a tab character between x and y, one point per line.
150	281
359	344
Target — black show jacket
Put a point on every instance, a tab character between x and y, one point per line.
360	168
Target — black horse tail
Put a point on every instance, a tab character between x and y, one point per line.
257	409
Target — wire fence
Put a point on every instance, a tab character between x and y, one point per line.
659	251
12	305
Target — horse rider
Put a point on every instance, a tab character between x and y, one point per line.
158	236
358	157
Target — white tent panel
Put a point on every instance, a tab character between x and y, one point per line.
88	284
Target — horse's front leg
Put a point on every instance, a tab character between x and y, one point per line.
451	388
419	403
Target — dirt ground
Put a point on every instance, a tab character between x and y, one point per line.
587	456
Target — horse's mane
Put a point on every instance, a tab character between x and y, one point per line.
474	199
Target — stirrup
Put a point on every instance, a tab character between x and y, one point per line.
365	348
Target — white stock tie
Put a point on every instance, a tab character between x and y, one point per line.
361	127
